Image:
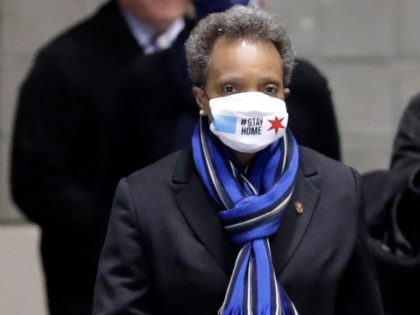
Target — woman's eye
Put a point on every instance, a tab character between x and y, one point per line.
229	89
271	90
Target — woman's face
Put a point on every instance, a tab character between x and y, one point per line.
242	65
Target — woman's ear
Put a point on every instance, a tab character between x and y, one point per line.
202	101
286	92
199	96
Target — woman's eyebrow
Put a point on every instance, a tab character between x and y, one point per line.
230	78
271	78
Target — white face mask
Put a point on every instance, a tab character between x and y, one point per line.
248	122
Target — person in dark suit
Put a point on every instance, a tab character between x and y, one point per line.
245	221
139	135
392	199
99	85
62	113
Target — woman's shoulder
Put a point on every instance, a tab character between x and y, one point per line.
161	170
329	172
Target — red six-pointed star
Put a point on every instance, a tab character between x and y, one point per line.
276	124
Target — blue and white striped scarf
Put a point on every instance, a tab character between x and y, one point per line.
251	210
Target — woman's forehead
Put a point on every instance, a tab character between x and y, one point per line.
244	52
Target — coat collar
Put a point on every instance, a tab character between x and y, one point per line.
200	211
111	31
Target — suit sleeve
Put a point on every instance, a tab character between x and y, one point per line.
359	289
46	176
122	284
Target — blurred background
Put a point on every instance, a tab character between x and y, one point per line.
368	49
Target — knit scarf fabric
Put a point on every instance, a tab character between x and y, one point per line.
251	208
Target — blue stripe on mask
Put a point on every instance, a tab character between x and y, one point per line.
223	123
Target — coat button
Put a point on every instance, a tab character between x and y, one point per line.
298	207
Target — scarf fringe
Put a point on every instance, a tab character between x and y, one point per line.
233	311
263	310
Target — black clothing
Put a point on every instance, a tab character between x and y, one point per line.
406	149
92	109
61	115
392	199
311	110
166	251
392	204
140	135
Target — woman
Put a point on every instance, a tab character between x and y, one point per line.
246	222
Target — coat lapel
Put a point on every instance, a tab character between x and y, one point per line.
294	224
200	212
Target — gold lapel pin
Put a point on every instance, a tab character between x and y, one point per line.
299	207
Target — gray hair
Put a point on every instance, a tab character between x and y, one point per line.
237	22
